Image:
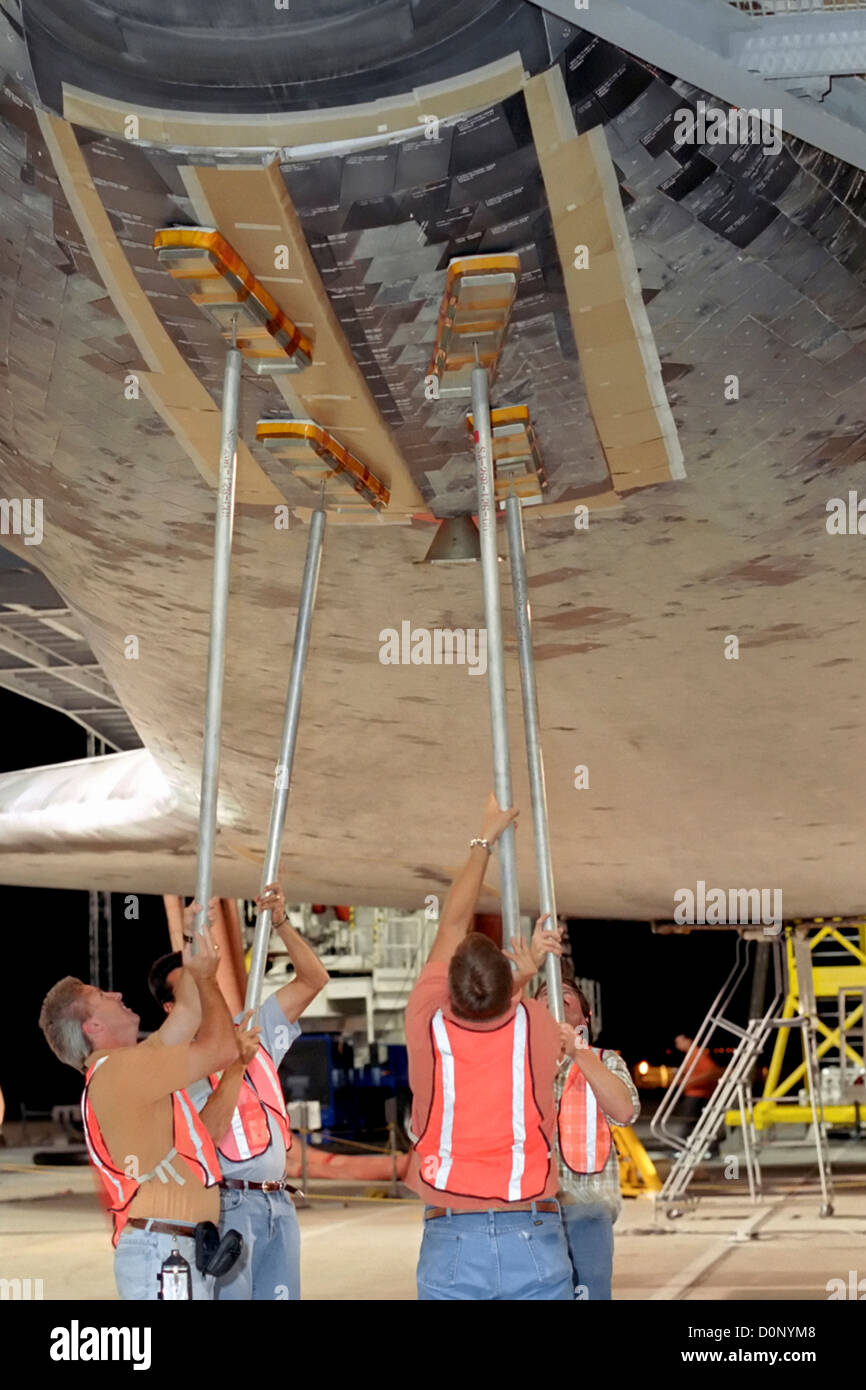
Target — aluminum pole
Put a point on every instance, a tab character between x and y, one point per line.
282	781
495	663
523	620
216	649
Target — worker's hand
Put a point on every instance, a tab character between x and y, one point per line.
203	965
567	1041
545	942
272	900
521	955
573	1042
495	820
191	912
248	1039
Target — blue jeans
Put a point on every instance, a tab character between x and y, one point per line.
494	1256
589	1232
270	1262
138	1259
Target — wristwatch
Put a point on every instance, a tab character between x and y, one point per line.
477	840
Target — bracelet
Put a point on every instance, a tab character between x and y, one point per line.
477	840
280	923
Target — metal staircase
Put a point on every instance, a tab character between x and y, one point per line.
734	1089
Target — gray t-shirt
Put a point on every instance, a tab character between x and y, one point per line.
277	1036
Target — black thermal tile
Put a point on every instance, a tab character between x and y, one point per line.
491	179
372	212
855	198
319	223
814	217
423	161
688	178
732	212
661	138
623	87
527	196
314	183
587	70
424	205
588	113
481	139
517	116
369	175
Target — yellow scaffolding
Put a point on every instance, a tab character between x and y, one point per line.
637	1172
830	981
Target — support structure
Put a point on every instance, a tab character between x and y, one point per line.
210	271
495	662
218	620
544	866
283	778
100	927
735	1083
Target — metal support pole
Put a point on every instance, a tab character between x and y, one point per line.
93	937
391	1120
283	779
216	647
109	942
495	664
544	868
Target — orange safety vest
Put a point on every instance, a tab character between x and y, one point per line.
249	1133
483	1136
190	1139
584	1133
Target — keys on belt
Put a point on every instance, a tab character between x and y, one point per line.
433	1213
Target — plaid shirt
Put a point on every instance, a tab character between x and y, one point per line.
596	1189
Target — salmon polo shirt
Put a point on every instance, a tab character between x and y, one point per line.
429	995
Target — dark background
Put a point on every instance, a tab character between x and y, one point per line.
653	987
45	931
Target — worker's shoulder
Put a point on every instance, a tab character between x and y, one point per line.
145	1055
614	1061
433	978
429	993
108	1071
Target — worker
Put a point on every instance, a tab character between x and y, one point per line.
702	1081
139	1122
594	1091
245	1114
482	1061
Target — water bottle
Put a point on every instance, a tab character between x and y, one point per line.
175	1277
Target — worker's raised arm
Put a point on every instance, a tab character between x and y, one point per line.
611	1093
217	1113
456	917
310	975
215	1046
184	1019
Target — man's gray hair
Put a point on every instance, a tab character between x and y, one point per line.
64	1010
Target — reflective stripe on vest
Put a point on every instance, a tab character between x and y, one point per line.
261	1094
190	1140
584	1133
483	1136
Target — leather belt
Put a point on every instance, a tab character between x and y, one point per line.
435	1212
280	1185
168	1228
